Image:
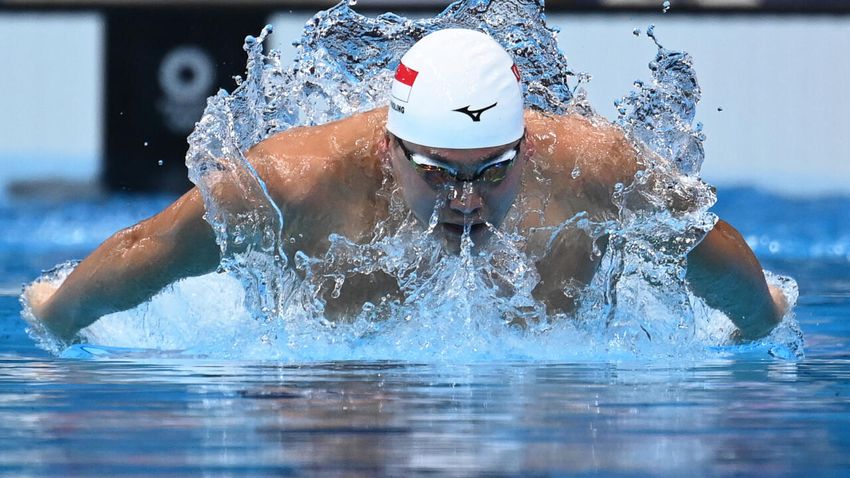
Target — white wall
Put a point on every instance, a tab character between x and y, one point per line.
780	81
50	89
783	84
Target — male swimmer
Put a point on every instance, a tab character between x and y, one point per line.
455	129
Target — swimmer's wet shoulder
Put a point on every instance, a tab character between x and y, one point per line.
296	161
580	160
324	178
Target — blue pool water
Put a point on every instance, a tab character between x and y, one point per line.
742	413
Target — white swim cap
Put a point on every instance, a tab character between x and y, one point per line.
457	89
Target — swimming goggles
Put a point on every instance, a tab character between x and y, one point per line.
437	173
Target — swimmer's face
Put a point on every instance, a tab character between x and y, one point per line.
468	186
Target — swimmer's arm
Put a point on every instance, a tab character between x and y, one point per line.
725	273
722	269
132	266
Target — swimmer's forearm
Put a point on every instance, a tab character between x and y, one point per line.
725	273
132	266
95	288
99	286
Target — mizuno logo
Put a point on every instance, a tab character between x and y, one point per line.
474	114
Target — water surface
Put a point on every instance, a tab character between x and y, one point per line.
739	412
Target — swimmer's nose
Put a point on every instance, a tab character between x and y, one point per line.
466	199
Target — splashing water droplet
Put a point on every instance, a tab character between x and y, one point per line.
665	6
146	144
576	172
719	108
338	282
160	162
636	32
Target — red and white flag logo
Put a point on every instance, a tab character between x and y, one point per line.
404	78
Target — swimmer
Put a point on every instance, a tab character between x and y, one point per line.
456	127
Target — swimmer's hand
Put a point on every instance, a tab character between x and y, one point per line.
38	296
780	302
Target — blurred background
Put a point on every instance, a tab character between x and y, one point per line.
100	95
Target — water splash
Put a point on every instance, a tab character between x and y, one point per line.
439	305
660	115
247	223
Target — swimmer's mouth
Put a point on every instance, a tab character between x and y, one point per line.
457	229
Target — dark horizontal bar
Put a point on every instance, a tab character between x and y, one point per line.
371	6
